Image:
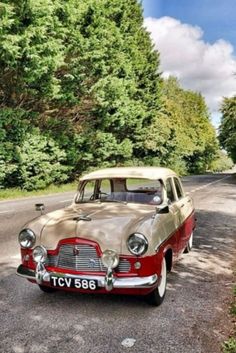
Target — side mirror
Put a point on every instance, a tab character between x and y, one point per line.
162	210
39	207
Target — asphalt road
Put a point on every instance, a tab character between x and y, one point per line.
192	318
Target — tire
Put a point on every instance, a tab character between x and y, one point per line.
189	245
46	289
157	296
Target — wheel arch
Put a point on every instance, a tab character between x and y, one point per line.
168	254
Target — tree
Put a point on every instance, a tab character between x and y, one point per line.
227	129
188	138
85	76
123	79
88	70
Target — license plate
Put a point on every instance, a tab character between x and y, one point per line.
70	282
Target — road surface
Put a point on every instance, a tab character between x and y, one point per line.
192	319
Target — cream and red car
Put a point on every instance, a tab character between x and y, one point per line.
123	232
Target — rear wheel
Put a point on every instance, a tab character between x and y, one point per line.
189	245
47	289
157	295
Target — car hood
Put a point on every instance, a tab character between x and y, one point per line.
108	224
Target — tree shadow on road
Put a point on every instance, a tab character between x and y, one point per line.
213	247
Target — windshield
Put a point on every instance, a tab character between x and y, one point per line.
131	190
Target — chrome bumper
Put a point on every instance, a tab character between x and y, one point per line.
127	282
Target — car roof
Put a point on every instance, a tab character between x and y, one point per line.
152	173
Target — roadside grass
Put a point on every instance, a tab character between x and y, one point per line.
15	193
229	346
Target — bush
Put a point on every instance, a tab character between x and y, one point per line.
41	162
221	163
14	124
34	163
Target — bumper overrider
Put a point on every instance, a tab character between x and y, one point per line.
41	275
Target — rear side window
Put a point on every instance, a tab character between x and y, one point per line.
144	191
170	191
143	185
178	188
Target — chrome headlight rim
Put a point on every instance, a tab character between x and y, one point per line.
39	254
143	244
110	259
26	238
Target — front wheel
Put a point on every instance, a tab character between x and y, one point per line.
156	297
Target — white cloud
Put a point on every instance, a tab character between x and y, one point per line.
200	66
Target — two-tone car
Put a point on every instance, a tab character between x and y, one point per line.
122	233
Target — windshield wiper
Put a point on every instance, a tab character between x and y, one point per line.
101	201
117	201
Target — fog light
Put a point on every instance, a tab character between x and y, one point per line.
110	259
137	265
40	254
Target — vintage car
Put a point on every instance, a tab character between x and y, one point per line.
122	233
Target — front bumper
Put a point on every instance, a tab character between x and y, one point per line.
122	283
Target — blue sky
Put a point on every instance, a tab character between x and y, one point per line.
217	18
197	43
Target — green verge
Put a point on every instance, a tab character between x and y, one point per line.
229	346
15	193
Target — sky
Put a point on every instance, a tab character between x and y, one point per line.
197	43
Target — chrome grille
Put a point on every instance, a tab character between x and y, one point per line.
124	266
81	257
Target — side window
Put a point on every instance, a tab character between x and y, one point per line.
105	188
169	191
87	192
178	188
94	190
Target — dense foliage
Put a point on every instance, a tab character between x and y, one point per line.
227	129
222	162
80	88
190	139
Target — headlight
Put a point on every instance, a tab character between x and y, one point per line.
137	244
110	259
27	238
40	254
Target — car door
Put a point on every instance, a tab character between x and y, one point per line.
173	221
183	204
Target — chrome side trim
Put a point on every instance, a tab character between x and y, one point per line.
127	282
